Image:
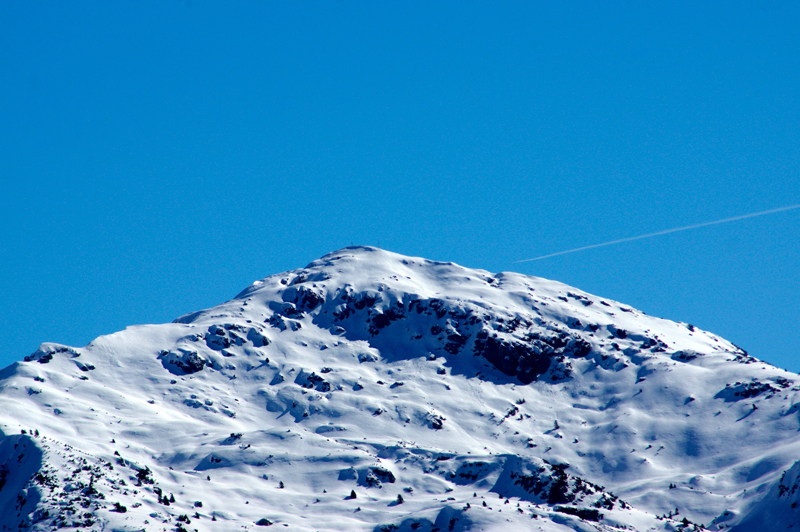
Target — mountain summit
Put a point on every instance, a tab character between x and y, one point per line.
377	392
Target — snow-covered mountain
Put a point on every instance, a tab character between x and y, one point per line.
373	391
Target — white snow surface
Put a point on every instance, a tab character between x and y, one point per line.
444	398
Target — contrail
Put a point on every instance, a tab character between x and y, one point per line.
659	233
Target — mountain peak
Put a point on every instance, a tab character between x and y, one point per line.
374	391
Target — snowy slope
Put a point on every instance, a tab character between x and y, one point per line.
442	398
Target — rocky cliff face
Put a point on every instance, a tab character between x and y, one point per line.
373	391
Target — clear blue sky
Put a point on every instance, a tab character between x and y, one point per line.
157	157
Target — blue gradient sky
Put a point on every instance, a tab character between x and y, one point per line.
157	157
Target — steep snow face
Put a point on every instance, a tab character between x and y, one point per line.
373	391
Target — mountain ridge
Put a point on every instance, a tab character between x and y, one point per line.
424	388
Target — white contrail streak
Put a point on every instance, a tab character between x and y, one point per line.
659	233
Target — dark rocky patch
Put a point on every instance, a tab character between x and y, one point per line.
182	362
257	338
619	333
455	341
548	482
191	363
745	390
313	381
290	311
375	476
435	421
217	338
685	356
367	357
45	353
470	472
308	298
587	514
513	358
280	322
